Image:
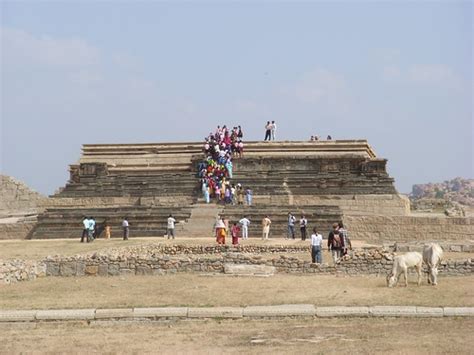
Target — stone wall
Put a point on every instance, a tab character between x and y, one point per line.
365	262
16	196
18	230
409	228
12	271
389	205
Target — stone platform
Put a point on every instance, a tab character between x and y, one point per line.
146	182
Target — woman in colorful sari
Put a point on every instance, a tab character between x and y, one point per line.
220	230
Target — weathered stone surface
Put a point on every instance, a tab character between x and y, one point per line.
92	270
287	310
114	313
429	311
65	314
67	269
17	316
342	311
393	311
249	270
458	311
215	312
160	312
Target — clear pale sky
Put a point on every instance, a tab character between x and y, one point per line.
396	73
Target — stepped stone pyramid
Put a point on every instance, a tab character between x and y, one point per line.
325	180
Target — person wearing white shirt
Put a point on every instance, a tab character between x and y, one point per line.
170	228
125	227
273	128
85	230
245	222
316	245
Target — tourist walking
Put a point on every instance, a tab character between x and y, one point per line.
91	230
273	129
240	194
249	196
126	228
266	227
107	229
235	230
245	222
335	243
85	230
268	131
170	227
303	225
316	245
220	230
291	226
346	241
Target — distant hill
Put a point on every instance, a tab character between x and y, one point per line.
456	190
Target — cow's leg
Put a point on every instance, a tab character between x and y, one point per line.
434	276
405	272
418	271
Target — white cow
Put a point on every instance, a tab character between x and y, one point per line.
401	264
432	256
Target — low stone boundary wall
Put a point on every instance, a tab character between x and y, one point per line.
12	271
359	262
277	311
372	261
409	228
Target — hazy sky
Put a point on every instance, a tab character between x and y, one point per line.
396	73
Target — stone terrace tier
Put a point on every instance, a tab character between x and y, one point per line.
144	221
135	170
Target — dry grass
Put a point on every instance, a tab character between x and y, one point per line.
197	290
289	336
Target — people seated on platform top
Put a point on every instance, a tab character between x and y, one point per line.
329	137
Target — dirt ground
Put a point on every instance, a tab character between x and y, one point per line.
285	336
200	291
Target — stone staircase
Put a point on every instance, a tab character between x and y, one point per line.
202	220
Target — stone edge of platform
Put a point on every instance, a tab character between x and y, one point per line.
249	312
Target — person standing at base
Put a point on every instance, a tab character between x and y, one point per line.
291	226
235	230
266	227
346	241
170	228
85	230
91	230
107	229
220	230
245	222
126	228
335	243
303	224
316	246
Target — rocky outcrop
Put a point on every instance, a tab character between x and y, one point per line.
445	194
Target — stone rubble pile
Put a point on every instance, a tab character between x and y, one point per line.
12	271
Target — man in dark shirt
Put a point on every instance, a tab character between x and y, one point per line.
335	243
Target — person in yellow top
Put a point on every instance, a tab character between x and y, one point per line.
266	227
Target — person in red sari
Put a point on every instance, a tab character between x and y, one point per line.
235	231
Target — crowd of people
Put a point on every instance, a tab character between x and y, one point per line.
216	170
